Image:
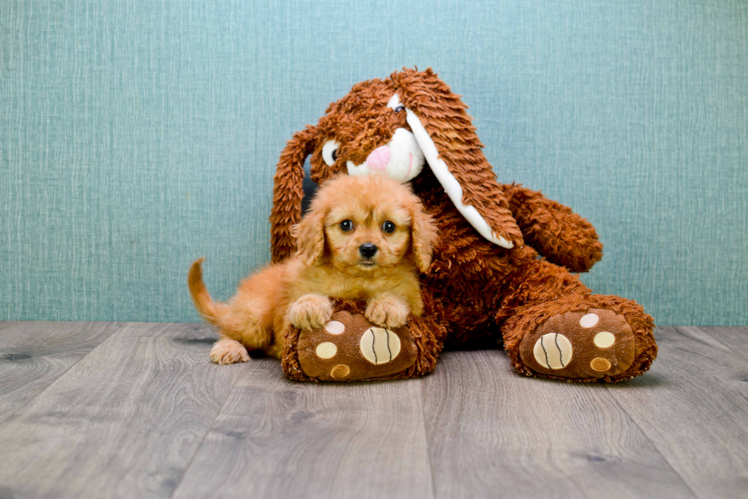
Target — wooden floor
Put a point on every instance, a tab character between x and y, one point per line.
137	410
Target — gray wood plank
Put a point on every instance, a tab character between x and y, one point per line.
732	337
693	405
277	438
493	433
125	421
35	354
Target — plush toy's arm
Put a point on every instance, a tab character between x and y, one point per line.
559	234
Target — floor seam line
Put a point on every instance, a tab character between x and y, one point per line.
654	445
680	331
205	436
426	437
36	396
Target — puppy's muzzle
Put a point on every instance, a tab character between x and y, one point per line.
368	250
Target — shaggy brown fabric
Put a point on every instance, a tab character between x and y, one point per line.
576	247
481	289
288	191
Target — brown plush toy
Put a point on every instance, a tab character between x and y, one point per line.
502	263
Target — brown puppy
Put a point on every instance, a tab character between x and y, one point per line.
364	238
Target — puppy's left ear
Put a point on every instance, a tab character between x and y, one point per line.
310	235
423	237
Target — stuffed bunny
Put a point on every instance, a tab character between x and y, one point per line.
502	264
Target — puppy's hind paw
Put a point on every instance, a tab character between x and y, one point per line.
310	311
387	310
227	352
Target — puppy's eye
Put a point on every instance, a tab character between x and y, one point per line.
346	225
399	108
330	152
388	227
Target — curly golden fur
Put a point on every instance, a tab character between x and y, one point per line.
364	238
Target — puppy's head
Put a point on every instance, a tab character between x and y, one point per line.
364	226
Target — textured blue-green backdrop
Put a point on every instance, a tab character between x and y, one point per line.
136	136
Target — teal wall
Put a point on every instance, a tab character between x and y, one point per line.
136	136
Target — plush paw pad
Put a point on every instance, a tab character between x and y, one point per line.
590	344
349	347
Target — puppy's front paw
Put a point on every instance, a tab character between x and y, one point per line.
227	352
310	311
387	310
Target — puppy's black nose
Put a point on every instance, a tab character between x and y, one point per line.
367	250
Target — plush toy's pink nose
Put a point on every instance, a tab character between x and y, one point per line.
379	158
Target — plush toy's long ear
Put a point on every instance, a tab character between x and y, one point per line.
288	192
445	134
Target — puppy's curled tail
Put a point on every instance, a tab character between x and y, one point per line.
209	310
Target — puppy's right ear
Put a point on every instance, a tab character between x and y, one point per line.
423	236
310	235
288	192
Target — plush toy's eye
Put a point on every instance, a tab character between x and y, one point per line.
399	108
388	227
346	225
330	152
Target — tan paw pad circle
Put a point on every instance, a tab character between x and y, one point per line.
589	320
603	340
600	364
553	351
326	350
340	371
335	327
379	345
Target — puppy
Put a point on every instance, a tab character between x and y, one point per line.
364	238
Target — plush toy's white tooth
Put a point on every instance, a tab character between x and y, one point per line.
450	184
354	169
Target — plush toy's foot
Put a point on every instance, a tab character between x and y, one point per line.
610	342
594	343
349	347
